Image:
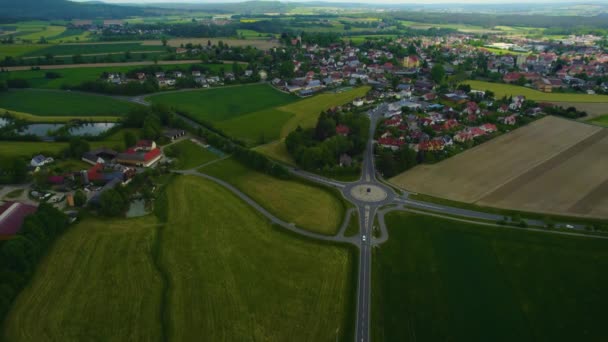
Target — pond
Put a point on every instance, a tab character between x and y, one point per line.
39	130
137	209
92	129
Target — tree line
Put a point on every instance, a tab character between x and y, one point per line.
20	255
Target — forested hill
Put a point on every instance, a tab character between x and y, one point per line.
62	9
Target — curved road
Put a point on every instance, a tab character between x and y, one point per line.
369	196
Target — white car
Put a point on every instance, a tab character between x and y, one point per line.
569	226
364	238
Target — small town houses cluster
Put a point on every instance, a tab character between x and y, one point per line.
170	79
422	126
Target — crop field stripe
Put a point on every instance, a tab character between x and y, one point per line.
537	171
586	204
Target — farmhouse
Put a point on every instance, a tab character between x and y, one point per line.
173	134
99	156
12	215
144	154
41	160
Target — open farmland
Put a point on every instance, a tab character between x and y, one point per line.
501	89
262	44
17	50
51	103
219	104
103	271
76	76
308	206
187	155
234	277
441	280
553	165
87	48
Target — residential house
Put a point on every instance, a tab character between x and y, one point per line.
41	160
12	215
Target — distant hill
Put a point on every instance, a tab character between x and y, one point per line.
62	9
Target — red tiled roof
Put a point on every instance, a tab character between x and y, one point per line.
342	129
12	215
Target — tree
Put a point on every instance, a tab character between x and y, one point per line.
112	203
78	147
130	139
438	73
80	198
287	69
164	41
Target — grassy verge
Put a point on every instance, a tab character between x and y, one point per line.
501	89
436	279
309	206
601	120
58	119
188	155
14	194
50	103
353	225
504	212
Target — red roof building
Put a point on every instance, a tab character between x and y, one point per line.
342	130
12	215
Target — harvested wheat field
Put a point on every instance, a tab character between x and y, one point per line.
553	166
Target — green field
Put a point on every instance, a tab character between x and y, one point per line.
43	103
440	280
46	32
76	76
57	119
601	120
501	90
16	50
97	283
189	155
309	207
84	49
206	272
256	128
28	149
305	113
234	278
221	104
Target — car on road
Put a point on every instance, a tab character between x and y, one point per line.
569	226
364	238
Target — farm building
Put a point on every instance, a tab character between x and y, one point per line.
12	215
145	154
100	155
173	134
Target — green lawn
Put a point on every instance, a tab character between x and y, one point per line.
16	50
82	49
221	104
27	149
601	120
188	155
50	103
256	128
97	283
310	207
501	89
46	32
233	277
440	280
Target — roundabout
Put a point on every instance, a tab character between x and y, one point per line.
369	193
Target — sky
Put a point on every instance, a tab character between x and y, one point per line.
367	1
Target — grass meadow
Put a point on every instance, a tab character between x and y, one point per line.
602	121
438	280
501	89
97	283
234	277
308	206
85	49
215	268
49	103
220	104
187	155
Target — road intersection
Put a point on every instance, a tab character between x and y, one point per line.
372	198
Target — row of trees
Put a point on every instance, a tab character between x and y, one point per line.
319	149
20	255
